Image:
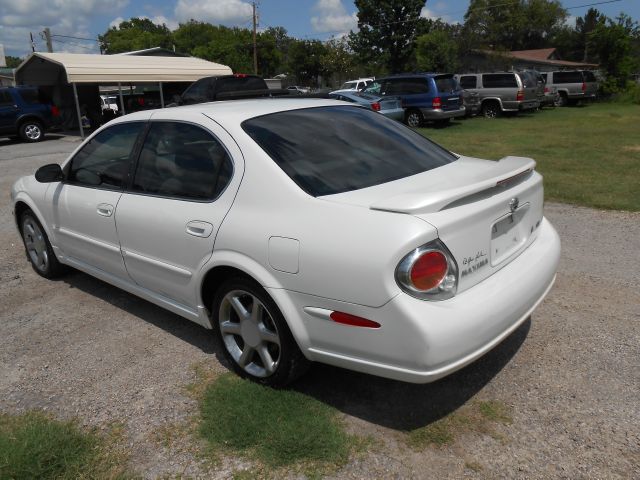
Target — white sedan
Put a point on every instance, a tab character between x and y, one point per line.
300	230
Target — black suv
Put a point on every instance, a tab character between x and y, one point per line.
227	87
25	113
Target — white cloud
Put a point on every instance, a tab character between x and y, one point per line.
331	16
571	21
430	14
214	11
116	22
63	17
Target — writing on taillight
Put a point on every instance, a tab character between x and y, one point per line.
375	107
436	103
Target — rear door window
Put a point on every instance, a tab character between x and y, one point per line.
499	80
6	98
182	160
589	76
468	81
198	92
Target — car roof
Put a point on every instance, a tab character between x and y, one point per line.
233	111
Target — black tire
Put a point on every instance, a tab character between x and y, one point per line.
248	340
38	248
561	100
413	118
31	131
491	109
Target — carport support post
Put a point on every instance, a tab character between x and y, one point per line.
121	99
161	96
75	95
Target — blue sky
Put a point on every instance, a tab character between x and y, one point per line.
302	18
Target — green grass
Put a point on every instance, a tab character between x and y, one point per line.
34	446
276	427
588	155
476	417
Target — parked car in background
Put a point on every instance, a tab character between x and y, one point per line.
501	92
426	97
296	90
300	230
109	102
573	86
388	106
227	87
25	113
354	85
471	101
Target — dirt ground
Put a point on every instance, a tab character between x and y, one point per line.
570	377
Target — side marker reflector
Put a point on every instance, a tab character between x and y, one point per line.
354	321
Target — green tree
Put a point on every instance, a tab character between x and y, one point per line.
520	25
387	33
339	61
437	51
13	62
614	43
305	61
135	34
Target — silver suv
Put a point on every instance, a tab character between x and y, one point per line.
573	85
501	92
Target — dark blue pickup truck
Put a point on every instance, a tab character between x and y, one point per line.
23	113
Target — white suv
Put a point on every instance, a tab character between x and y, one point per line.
354	85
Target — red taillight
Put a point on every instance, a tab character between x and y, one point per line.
520	96
55	111
546	90
354	321
375	107
240	75
429	270
436	103
584	87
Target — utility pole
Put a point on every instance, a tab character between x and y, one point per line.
255	46
47	35
33	44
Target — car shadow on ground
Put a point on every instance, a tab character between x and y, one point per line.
405	406
389	403
171	323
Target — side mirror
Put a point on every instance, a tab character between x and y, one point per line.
49	173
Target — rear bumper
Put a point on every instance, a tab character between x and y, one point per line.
439	114
529	105
421	341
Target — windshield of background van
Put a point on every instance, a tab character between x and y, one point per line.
328	150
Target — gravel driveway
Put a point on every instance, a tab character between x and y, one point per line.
78	347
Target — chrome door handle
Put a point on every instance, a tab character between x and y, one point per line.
105	209
199	229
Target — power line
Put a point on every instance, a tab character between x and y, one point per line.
76	38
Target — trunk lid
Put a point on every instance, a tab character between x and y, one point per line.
485	212
448	91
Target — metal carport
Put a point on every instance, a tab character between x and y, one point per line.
73	68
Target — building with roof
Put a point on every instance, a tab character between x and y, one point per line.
72	80
542	59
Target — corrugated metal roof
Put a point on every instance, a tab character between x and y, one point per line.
86	68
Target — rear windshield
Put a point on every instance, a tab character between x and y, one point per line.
567	77
446	83
348	85
328	150
240	83
589	76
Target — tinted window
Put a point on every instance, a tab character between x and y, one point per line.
105	159
6	98
30	96
198	92
329	150
406	86
239	83
468	81
446	84
589	77
499	80
374	87
567	77
182	160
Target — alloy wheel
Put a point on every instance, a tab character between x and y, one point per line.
249	333
32	131
36	244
